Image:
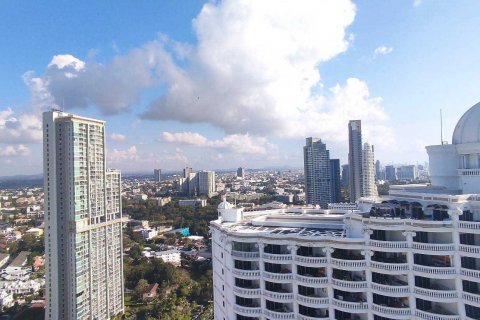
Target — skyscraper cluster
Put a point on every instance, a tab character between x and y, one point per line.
83	221
361	163
197	183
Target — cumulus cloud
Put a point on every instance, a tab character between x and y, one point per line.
119	155
11	151
19	129
236	143
118	137
383	50
253	72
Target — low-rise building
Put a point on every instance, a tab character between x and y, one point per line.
151	292
193	203
169	256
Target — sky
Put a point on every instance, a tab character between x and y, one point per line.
222	84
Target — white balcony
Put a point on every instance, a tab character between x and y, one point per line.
471	297
247	255
474	275
278	296
248	311
435	316
246	292
311	281
311	261
278	315
396	268
436	295
436	272
352	307
277	276
249	274
302	317
387	312
433	247
277	257
395	291
353	265
349	285
468	250
314	302
391	245
469	225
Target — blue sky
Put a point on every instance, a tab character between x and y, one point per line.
230	83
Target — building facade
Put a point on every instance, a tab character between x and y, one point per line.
335	180
407	173
345	174
206	183
318	184
390	173
369	188
355	163
157	175
241	173
83	221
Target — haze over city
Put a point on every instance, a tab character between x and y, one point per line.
217	85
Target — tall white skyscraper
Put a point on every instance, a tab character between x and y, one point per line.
157	175
355	163
369	187
83	221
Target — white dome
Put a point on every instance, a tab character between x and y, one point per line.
467	129
225	205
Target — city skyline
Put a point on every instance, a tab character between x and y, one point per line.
172	48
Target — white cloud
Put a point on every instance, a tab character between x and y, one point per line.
119	155
253	72
417	3
11	151
19	129
235	143
383	50
118	137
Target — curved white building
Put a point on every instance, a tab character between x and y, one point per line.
412	255
457	165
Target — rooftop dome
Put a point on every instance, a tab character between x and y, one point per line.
467	129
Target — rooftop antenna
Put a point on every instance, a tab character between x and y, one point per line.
441	127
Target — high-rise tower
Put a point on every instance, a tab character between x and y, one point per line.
318	188
157	175
355	160
83	221
369	187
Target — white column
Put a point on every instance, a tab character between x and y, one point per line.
261	266
411	277
457	260
368	277
331	310
293	251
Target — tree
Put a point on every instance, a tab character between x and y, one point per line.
140	288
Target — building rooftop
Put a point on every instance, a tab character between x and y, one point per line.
20	260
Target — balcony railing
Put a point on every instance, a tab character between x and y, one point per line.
246	273
316	301
470	273
389	244
246	254
469	249
246	291
277	276
433	247
349	264
352	285
472	297
385	311
311	260
472	225
277	257
391	267
435	316
437	294
354	307
392	290
278	315
311	280
250	311
283	296
302	317
437	271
